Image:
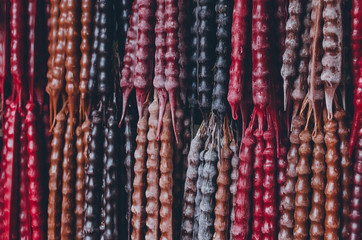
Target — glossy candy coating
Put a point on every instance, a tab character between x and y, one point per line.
55	179
166	179
139	181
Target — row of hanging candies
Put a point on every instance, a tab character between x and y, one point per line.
181	119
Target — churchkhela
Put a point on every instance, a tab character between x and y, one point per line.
181	119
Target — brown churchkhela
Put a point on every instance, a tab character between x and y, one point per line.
67	229
58	71
53	36
152	191
139	181
302	187
55	177
87	6
166	179
346	165
221	223
332	205
287	202
79	185
72	59
316	215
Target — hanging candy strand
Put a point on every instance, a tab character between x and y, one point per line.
258	190
223	9
55	177
235	162
183	41
346	165
145	51
160	61
356	33
269	227
292	42
302	186
104	53
93	68
85	48
12	160
126	11
193	66
79	183
300	83
332	205
53	38
129	161
110	166
4	50
239	40
200	179
281	17
286	220
195	231
356	201
222	196
152	191
129	58
332	45
139	181
73	58
67	229
3	165
243	202
166	180
357	101
317	183
282	168
178	182
24	214
194	160
17	30
92	182
208	191
172	56
35	191
58	70
205	56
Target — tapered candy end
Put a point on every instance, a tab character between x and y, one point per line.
329	95
286	94
140	99
173	110
126	91
234	111
160	117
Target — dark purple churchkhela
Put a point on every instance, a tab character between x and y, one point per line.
129	148
93	183
93	70
111	179
223	10
105	52
205	58
193	78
